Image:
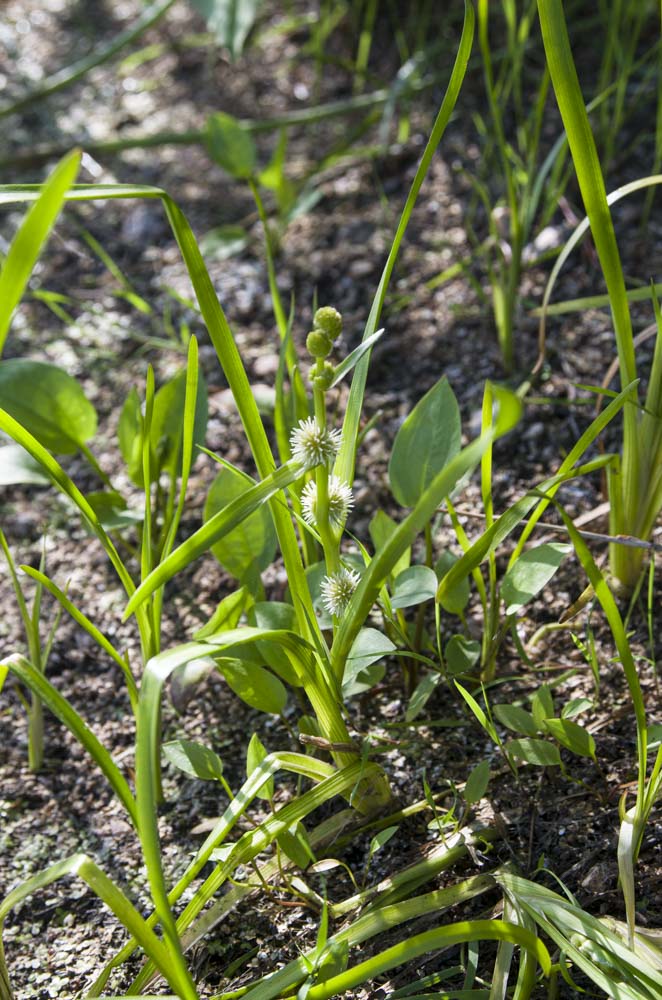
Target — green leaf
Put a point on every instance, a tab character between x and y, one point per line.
230	20
381	839
230	146
422	694
575	707
529	574
250	547
414	586
517	719
455	598
48	403
168	422
363	669
344	467
29	240
223	242
542	706
129	436
255	754
227	614
194	759
426	442
275	615
273	177
572	736
354	357
477	782
381	529
461	654
218	526
185	680
19	468
538	752
480	715
254	685
295	844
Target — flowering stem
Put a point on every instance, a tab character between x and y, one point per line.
327	536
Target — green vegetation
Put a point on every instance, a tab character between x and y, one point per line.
355	607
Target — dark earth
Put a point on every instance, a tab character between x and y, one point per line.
170	79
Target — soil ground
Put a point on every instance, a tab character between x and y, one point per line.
565	819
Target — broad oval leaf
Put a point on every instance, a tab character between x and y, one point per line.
477	782
18	468
572	736
381	529
461	654
454	599
194	759
48	403
129	436
254	685
538	752
294	843
530	573
422	694
516	719
428	439
185	680
275	615
414	585
250	547
231	146
363	669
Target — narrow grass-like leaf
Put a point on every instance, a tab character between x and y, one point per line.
213	530
354	357
344	466
28	241
420	944
228	355
589	942
62	709
376	921
83	867
60	479
91	629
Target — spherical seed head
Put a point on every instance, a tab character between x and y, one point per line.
329	320
314	445
323	380
337	590
319	344
341	501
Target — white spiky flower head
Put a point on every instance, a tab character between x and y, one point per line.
337	590
341	501
314	445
